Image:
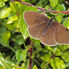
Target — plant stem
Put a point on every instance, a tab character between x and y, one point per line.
30	59
42	9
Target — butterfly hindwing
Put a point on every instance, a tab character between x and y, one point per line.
62	34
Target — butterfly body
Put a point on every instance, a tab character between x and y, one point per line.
47	31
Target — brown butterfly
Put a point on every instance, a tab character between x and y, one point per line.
39	27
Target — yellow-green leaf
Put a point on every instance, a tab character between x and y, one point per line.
53	2
12	19
35	67
5	12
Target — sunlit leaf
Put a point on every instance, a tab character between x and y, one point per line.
53	2
5	12
12	19
34	67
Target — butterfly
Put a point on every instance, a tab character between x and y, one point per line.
42	28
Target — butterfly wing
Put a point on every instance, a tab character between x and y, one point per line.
36	24
36	31
34	18
49	37
62	34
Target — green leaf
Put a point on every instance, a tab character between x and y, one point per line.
66	23
5	12
46	57
57	51
29	8
12	19
5	0
65	56
24	54
2	3
35	67
60	7
6	35
6	63
59	18
52	62
24	66
12	6
21	55
5	38
47	7
23	27
19	40
44	66
49	48
36	44
63	47
12	26
59	63
53	2
60	1
39	3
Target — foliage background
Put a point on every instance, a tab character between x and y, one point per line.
14	40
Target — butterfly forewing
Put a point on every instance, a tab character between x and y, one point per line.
35	18
36	31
